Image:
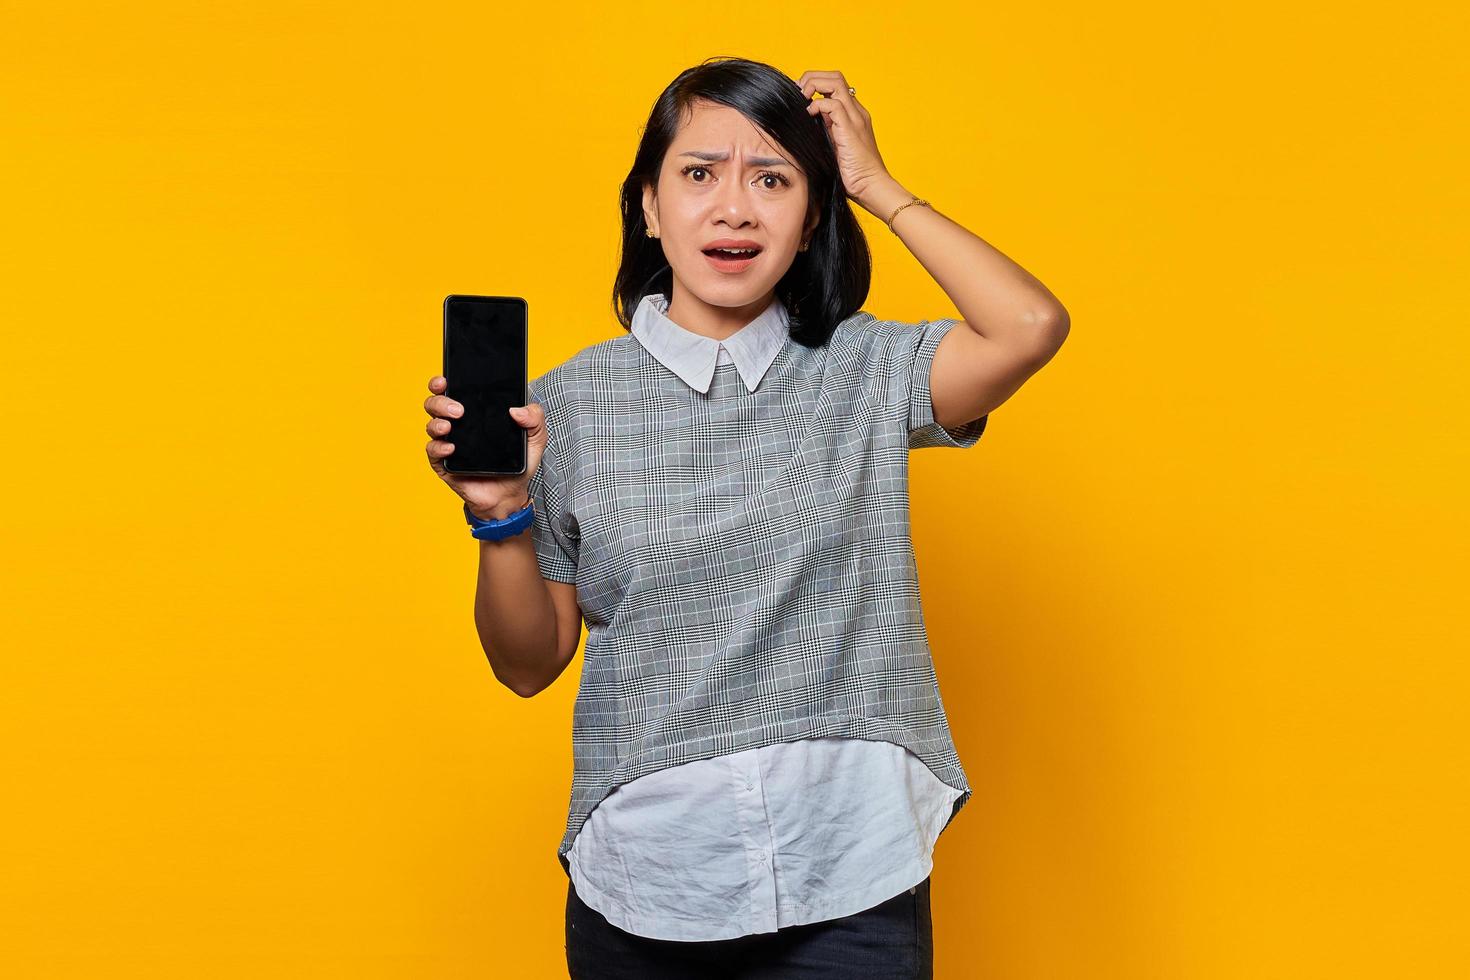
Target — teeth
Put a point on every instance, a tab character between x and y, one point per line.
737	251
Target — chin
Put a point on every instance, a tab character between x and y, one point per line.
733	295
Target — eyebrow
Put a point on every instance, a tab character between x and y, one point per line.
752	161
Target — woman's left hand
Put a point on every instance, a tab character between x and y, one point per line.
850	128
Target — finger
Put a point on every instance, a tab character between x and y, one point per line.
809	78
836	112
437	383
830	83
438	427
833	85
438	449
843	111
443	406
530	416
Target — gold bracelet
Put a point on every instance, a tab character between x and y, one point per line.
917	200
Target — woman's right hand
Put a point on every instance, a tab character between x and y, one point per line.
490	498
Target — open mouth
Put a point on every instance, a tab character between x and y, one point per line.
731	258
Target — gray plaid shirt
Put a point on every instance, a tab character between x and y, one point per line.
742	558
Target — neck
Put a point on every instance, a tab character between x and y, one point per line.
714	322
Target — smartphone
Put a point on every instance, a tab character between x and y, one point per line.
485	365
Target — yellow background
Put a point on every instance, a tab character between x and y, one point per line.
1196	598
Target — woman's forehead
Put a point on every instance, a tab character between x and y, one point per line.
721	129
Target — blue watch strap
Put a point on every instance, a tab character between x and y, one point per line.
496	530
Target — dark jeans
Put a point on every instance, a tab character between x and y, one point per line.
893	940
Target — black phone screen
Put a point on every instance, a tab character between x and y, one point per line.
485	365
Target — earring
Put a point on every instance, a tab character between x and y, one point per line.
804	246
649	233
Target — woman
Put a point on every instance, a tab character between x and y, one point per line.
762	761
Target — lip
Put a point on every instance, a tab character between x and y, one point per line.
732	243
732	265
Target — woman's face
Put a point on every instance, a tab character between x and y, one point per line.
723	179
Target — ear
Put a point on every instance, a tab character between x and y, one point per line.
650	207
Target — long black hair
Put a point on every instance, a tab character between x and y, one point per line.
825	284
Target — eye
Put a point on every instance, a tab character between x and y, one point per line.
686	171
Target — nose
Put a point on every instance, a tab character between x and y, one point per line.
733	203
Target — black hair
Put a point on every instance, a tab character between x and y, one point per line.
825	284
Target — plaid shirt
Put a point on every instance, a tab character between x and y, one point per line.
766	838
742	558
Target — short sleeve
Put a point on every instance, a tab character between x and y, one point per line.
556	549
910	358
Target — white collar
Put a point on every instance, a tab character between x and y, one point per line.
693	356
